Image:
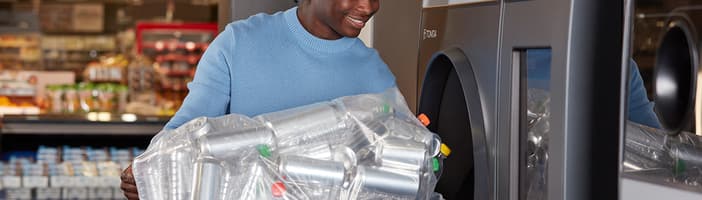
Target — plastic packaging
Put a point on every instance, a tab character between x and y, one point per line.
538	134
366	146
675	159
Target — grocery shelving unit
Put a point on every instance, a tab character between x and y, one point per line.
100	129
175	49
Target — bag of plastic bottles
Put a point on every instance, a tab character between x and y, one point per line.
366	146
652	153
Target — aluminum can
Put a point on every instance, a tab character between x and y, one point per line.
178	174
315	123
208	179
229	145
388	181
309	171
401	154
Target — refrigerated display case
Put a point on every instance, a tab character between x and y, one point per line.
175	49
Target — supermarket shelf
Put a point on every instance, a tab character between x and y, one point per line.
87	124
70	59
178	73
172	57
78	50
179	45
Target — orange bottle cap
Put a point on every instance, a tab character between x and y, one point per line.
424	119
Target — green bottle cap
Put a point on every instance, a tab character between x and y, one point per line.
264	150
680	167
435	164
386	108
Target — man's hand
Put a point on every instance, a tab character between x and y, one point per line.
128	185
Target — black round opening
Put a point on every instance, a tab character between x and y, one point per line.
674	78
442	100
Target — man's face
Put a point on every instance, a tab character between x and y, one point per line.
345	17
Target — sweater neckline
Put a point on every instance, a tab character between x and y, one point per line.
307	39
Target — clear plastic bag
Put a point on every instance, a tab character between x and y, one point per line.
366	146
675	159
538	130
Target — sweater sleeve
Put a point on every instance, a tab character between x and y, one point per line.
209	92
639	107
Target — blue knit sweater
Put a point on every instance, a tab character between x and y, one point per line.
270	62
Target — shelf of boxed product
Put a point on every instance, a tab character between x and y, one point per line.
71	52
16	97
92	123
65	173
20	51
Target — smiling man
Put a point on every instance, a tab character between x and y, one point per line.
267	63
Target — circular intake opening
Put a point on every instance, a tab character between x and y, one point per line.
674	77
450	99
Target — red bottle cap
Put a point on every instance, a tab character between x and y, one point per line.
278	189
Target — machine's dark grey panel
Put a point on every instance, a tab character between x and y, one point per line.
586	39
471	31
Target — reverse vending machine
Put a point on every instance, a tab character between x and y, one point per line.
518	130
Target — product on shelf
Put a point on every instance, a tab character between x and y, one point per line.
355	147
20	51
87	97
109	69
17	91
175	50
66	173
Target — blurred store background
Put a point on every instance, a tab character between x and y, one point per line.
85	84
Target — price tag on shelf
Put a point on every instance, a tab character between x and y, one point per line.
98	181
57	181
11	182
48	193
35	181
110	181
84	181
71	181
18	193
75	193
100	193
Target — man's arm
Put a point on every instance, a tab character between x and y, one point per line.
639	107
